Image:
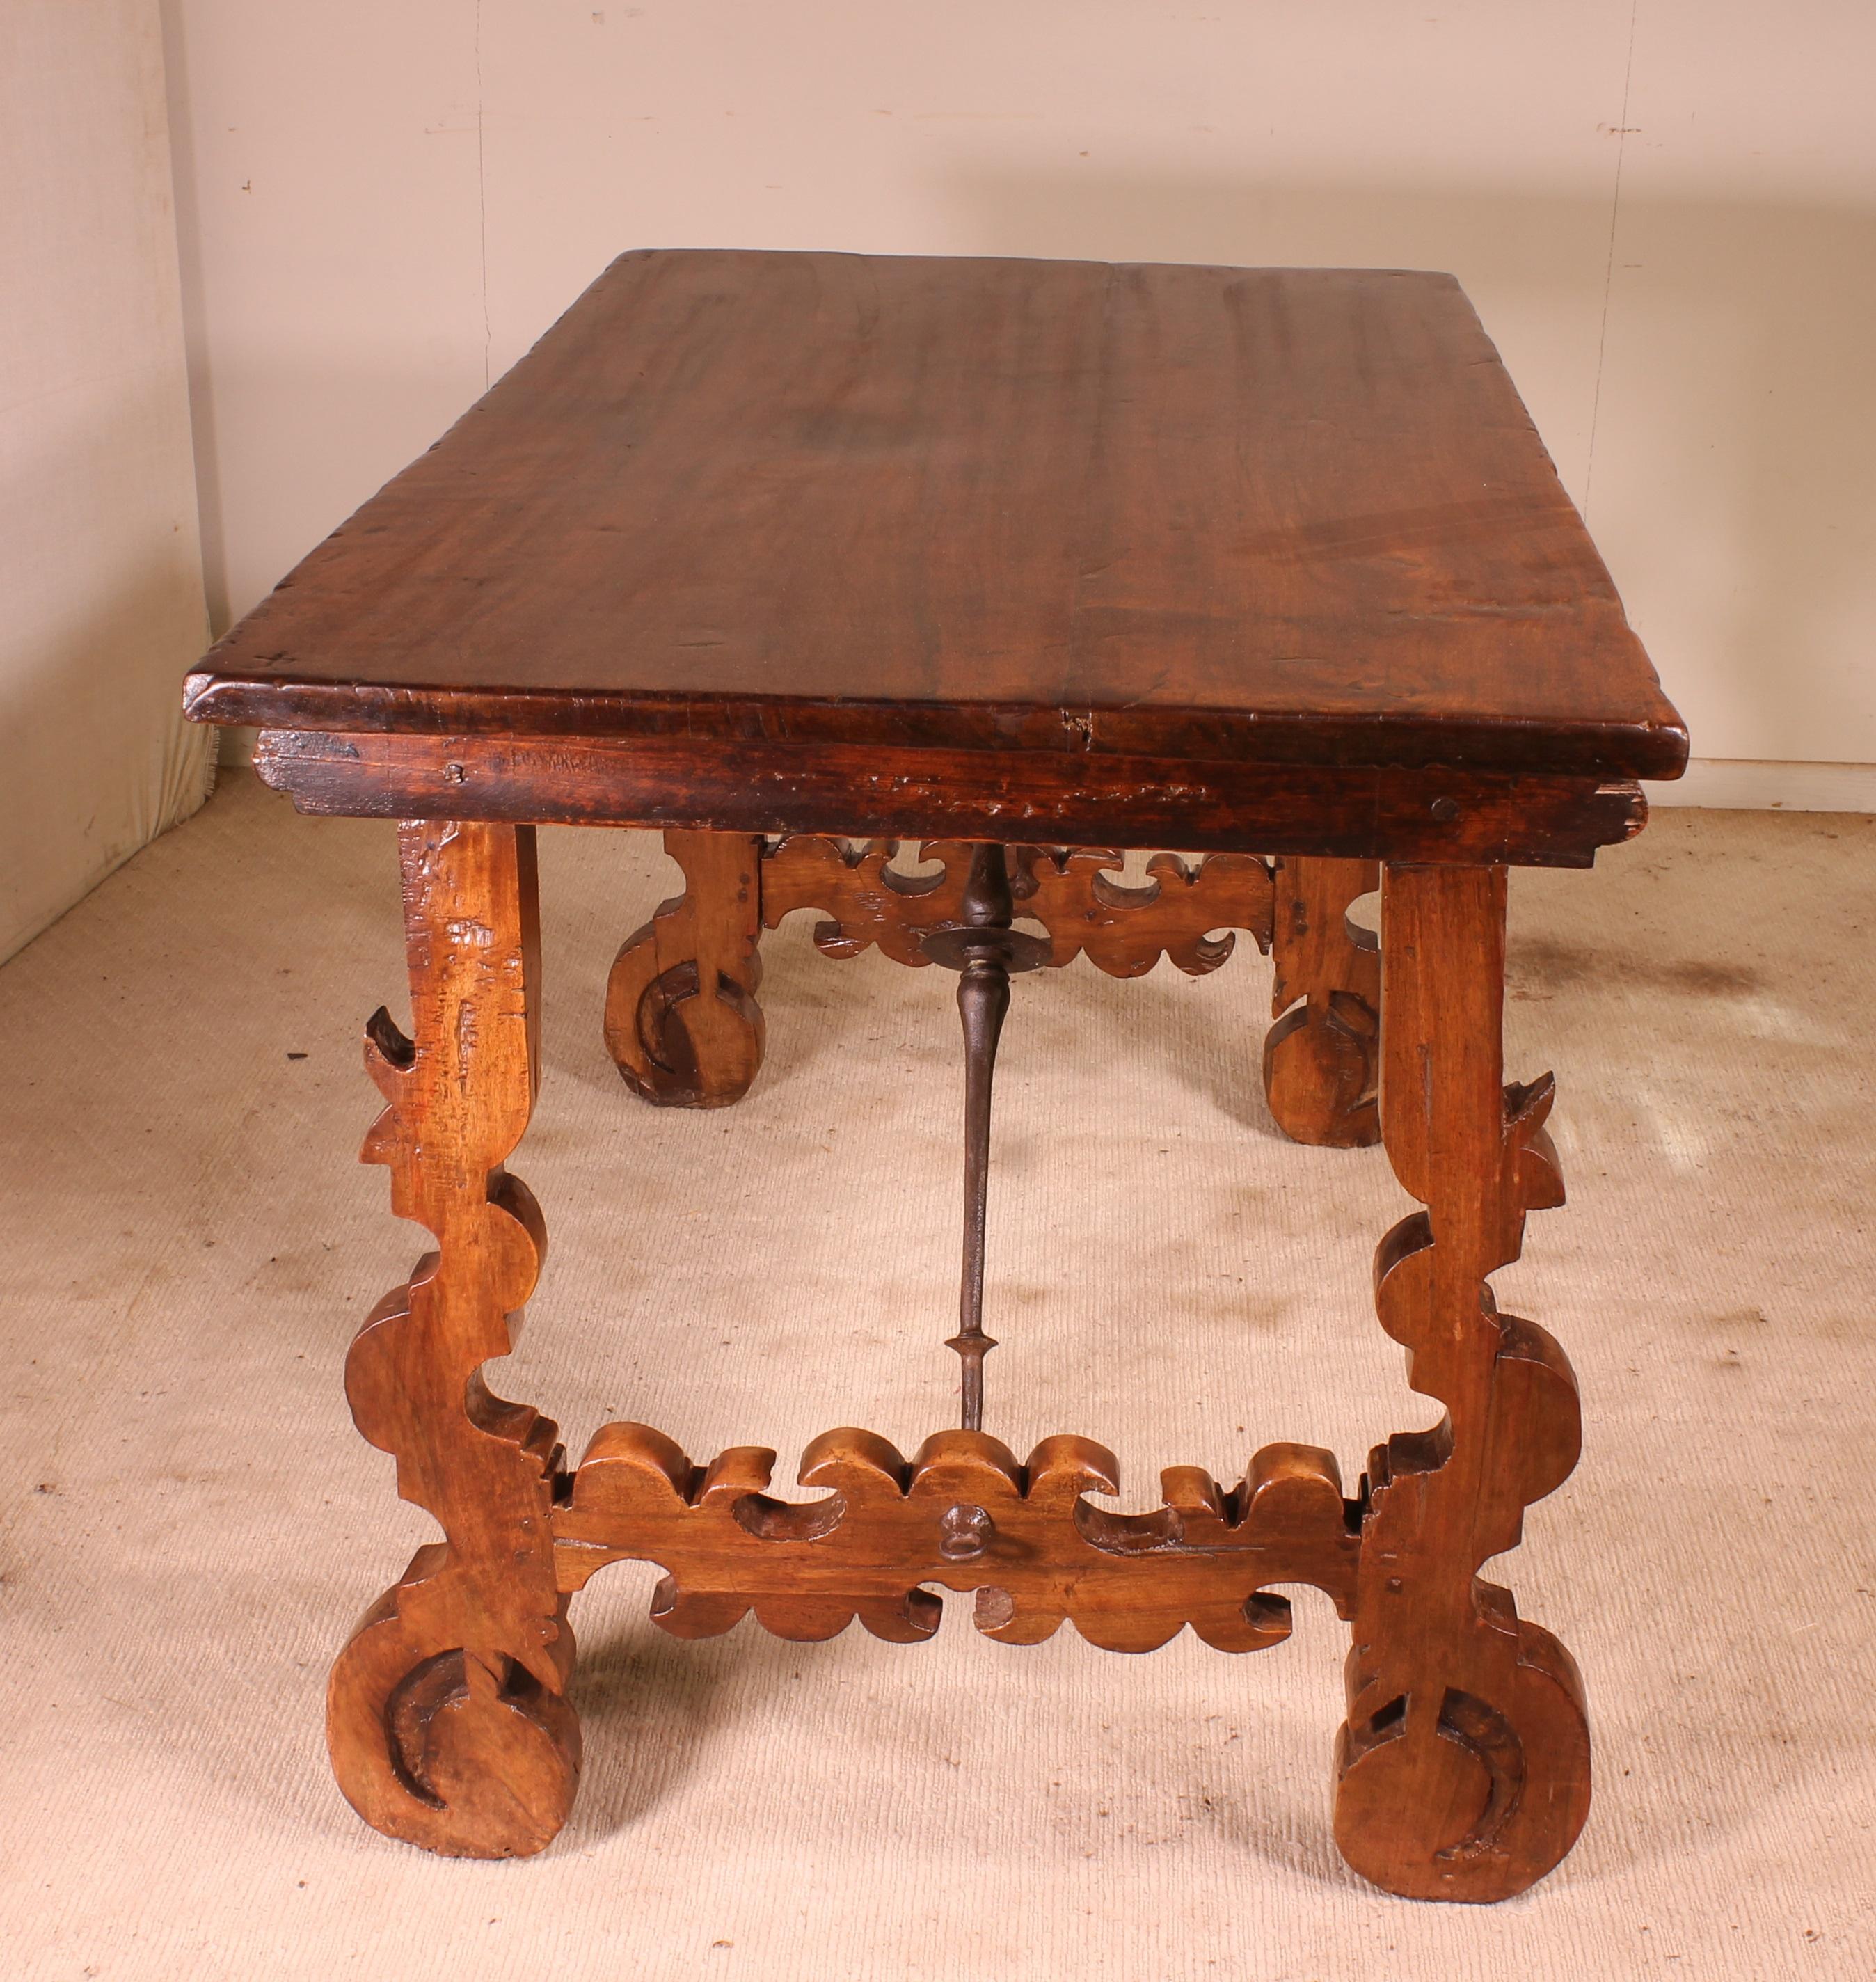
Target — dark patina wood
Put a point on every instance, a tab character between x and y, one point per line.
1271	515
1032	561
1526	819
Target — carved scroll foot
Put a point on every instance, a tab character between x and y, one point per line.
1464	1768
1444	1794
681	1020
433	1745
1320	1057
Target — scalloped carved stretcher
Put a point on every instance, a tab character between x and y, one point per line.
675	1047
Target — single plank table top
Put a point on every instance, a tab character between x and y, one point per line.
1275	516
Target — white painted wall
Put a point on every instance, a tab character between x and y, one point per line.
100	565
1664	209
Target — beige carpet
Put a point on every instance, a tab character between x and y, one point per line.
192	1525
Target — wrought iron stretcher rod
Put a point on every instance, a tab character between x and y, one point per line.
983	950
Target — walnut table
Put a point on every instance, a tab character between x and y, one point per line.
1035	562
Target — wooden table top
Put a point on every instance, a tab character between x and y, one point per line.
1294	515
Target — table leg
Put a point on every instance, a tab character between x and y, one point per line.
1463	1766
681	1019
1319	1058
446	1719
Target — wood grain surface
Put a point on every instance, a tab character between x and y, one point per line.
1320	1057
447	1716
966	1515
1463	1766
681	1021
1278	515
1035	797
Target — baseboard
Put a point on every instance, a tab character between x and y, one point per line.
1745	784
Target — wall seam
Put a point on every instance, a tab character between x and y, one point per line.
1609	272
482	196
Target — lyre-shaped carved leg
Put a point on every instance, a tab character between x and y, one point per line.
1464	1762
681	1019
446	1716
1320	1057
